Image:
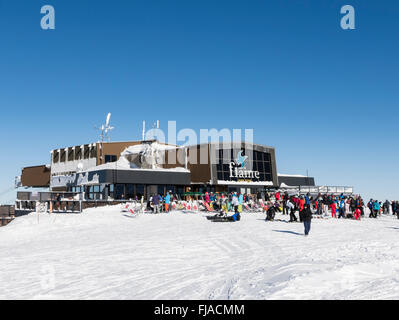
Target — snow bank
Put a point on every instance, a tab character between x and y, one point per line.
106	254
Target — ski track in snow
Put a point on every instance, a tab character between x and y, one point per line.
106	254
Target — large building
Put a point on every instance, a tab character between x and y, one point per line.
111	171
124	170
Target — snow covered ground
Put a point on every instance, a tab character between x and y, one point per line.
106	254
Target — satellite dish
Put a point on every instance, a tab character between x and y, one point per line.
80	166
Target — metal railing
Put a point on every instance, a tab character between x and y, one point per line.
321	189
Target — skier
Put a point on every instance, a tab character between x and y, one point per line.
240	199
307	199
207	198
167	202
333	210
156	199
341	208
271	212
319	205
357	214
291	208
376	208
394	207
234	202
301	207
386	207
370	206
348	212
284	199
307	218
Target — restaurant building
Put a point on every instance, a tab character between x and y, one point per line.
126	170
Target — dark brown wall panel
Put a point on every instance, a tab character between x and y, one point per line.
38	176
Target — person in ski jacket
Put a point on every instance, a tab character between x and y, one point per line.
386	207
236	216
207	199
307	199
376	208
348	208
240	198
156	199
271	213
341	209
359	204
167	202
333	210
307	218
291	208
234	202
301	203
357	214
394	206
370	205
301	208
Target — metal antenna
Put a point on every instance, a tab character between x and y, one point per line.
143	133
105	129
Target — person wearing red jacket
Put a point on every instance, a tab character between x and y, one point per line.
301	207
358	214
207	199
301	204
333	210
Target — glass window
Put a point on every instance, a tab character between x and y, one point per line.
110	158
130	191
119	192
161	189
139	191
170	188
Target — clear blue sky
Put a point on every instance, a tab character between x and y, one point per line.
326	98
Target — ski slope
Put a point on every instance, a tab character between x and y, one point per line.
106	254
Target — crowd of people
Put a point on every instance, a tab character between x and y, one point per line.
300	208
322	205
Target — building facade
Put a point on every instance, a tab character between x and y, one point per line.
133	169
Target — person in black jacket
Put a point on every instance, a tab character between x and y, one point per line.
307	218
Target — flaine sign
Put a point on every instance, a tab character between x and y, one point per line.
238	168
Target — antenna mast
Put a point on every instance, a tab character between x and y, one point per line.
105	129
143	136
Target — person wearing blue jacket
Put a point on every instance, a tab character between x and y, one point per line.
341	209
167	202
156	199
307	199
240	198
376	208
